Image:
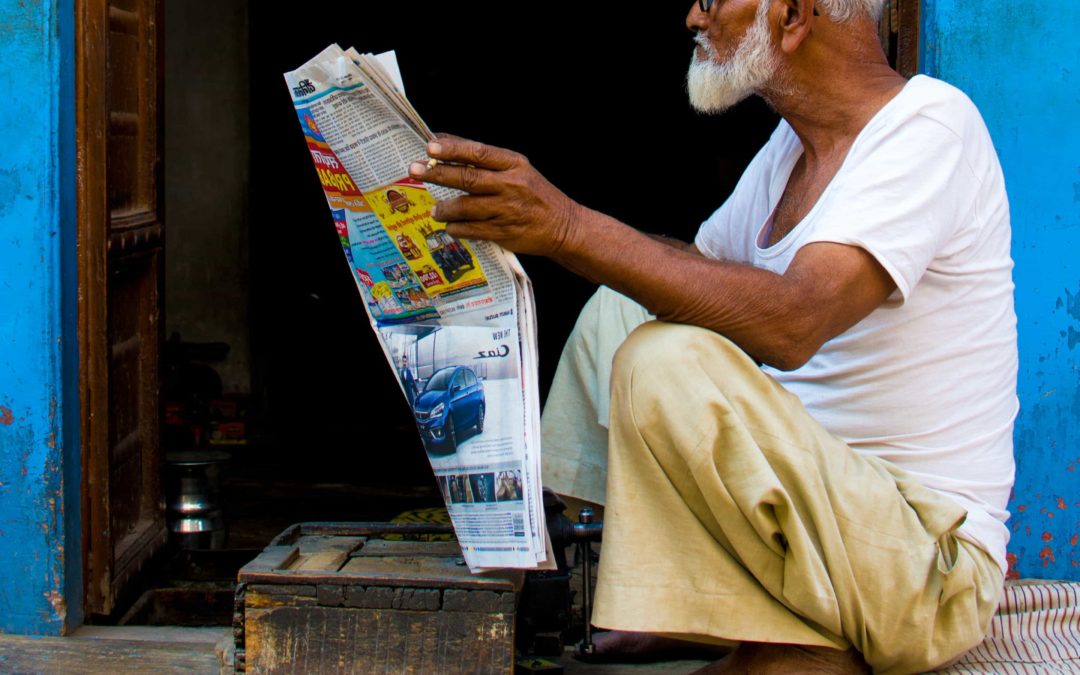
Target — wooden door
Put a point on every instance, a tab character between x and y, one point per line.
121	233
900	35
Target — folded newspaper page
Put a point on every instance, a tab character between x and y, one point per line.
455	318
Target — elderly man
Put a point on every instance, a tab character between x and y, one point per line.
844	503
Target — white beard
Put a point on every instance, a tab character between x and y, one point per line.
714	87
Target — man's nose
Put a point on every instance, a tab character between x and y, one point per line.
696	20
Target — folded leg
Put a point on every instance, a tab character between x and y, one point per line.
732	515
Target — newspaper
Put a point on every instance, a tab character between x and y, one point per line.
455	318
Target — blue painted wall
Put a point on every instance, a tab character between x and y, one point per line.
40	547
1019	60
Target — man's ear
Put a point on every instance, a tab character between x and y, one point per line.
796	23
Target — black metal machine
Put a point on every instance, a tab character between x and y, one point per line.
546	622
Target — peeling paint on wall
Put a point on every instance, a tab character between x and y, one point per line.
36	206
1015	59
1072	304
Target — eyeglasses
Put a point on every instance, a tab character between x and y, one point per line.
706	5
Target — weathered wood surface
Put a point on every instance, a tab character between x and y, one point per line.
327	553
360	640
322	552
359	578
325	561
261	596
321	543
398	605
356	529
385	547
411	567
272	558
64	656
278	565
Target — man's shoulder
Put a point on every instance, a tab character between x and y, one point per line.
932	99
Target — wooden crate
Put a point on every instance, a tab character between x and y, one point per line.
354	598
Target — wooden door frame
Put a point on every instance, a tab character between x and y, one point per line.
909	29
94	248
90	128
904	22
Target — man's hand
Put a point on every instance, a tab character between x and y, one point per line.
778	319
509	202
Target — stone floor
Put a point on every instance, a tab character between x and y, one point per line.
119	650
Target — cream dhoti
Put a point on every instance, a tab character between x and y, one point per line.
732	515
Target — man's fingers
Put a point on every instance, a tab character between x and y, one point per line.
463	151
463	230
474	229
465	208
468	178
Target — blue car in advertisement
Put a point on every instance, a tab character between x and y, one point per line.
451	403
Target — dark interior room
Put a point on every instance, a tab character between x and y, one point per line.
260	309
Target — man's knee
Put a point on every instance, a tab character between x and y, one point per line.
666	373
669	351
673	383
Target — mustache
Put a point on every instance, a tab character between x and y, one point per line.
701	40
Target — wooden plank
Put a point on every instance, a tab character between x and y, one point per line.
371	529
323	639
316	577
385	547
288	537
272	558
283	589
325	561
436	573
107	657
255	600
408	567
323	552
384	597
318	543
477	601
331	595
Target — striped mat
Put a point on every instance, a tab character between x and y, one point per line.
1036	630
431	516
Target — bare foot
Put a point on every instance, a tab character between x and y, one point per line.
619	646
755	658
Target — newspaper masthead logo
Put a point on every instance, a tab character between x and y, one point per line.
304	88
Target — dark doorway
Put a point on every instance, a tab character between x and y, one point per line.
593	96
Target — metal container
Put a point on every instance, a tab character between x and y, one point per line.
193	498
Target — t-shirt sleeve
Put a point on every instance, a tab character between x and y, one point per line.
902	199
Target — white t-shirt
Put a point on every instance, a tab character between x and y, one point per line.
927	380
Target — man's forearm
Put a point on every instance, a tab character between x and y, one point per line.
757	309
780	320
671	241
